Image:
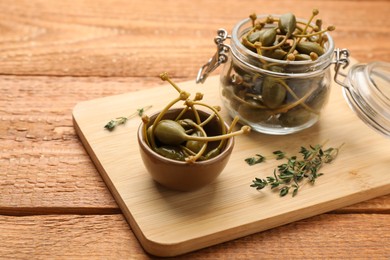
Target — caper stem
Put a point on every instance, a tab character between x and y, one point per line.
196	114
160	116
145	121
293	46
207	120
314	13
259	46
300	101
310	34
165	77
294	95
166	108
221	121
204	146
253	18
246	102
189	151
253	29
245	129
185	109
232	125
183	95
247	43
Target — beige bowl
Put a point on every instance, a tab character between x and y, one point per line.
180	175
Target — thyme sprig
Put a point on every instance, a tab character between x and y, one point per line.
123	119
290	175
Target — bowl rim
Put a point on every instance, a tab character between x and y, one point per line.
225	151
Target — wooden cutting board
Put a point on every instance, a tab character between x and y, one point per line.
169	223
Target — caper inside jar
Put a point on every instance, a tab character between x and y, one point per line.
276	77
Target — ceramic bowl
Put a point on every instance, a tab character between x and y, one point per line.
179	175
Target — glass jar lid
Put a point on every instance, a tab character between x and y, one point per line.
367	91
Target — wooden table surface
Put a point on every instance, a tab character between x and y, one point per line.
54	54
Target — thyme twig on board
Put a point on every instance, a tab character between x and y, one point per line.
289	176
121	120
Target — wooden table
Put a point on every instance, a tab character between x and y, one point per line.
55	54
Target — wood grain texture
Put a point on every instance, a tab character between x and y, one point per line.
170	223
42	157
108	237
43	162
54	54
132	38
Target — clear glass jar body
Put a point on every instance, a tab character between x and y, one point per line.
274	96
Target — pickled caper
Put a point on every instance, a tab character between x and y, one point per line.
287	24
255	115
301	57
273	92
268	37
273	97
193	145
309	47
287	36
213	153
167	137
170	132
319	97
171	152
277	53
254	37
295	117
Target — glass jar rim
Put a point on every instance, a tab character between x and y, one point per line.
367	92
323	61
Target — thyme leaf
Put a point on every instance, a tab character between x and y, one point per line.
141	111
114	122
289	175
279	154
258	158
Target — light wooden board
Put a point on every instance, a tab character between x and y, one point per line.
169	223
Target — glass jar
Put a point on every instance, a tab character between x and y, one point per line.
272	96
366	89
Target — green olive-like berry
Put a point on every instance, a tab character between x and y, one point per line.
302	57
295	117
277	53
213	153
171	152
307	47
195	146
186	123
170	132
273	93
268	37
254	36
287	24
254	115
167	137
